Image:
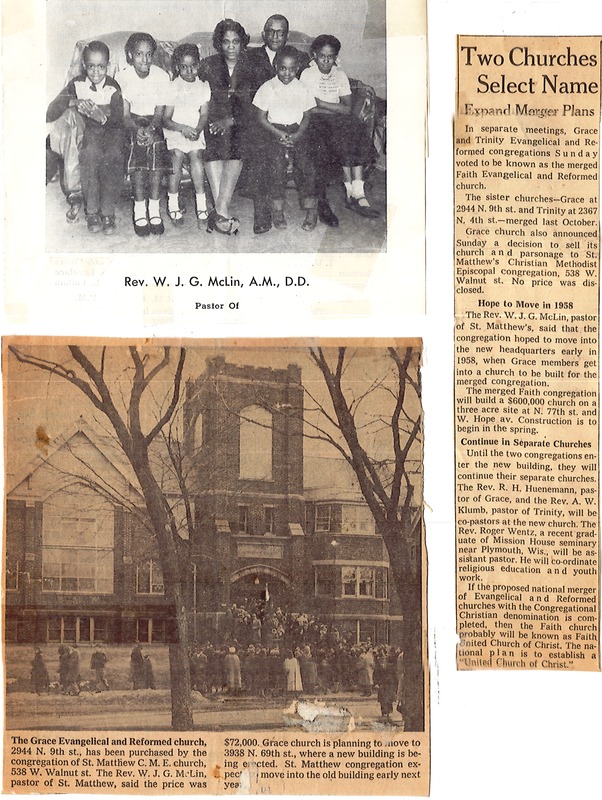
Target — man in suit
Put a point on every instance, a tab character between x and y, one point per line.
261	59
261	62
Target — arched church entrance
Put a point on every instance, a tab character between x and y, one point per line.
257	585
255	595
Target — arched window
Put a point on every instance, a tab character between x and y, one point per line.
77	542
255	444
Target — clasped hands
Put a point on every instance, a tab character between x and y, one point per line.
288	139
88	108
220	126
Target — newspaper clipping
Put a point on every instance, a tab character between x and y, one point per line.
527	155
215	568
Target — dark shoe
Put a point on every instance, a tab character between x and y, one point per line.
141	227
262	220
156	226
75	201
326	215
201	219
311	219
227	226
279	219
94	223
353	204
108	225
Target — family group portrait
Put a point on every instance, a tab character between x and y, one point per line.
216	127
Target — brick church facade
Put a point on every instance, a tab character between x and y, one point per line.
81	566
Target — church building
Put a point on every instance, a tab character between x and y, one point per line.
270	521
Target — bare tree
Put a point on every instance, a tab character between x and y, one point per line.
137	430
378	433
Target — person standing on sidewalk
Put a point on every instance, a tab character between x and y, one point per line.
98	663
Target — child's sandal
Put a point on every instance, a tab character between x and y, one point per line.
177	218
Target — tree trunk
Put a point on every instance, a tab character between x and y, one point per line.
413	692
408	585
179	669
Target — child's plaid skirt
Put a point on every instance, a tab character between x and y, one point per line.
154	156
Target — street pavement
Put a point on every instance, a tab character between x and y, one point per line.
216	713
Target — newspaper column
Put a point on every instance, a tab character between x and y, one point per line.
527	149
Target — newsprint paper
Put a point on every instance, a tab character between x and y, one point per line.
527	161
215	567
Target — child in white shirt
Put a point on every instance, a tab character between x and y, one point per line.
334	127
145	89
283	104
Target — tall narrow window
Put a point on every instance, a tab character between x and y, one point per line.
325	581
255	444
323	518
243	519
268	519
11	574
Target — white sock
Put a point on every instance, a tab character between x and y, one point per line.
173	201
357	188
153	208
201	201
348	189
140	212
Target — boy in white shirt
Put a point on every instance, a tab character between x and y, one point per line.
283	105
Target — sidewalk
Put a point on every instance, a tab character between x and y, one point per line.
150	710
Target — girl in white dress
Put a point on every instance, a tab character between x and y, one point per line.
184	121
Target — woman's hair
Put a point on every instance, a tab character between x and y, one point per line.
95	47
229	25
136	39
325	39
288	51
181	51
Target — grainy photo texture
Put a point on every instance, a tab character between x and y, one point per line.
238	127
202	537
225	541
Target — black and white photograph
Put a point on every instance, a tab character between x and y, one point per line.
217	127
203	536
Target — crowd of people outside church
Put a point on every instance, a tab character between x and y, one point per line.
305	658
258	671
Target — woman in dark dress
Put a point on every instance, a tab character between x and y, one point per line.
385	680
137	671
40	680
229	108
